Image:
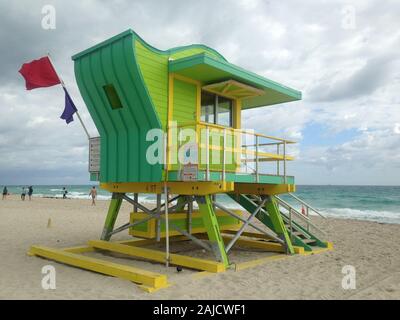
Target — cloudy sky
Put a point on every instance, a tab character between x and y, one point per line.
343	56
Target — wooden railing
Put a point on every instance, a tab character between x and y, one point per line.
244	147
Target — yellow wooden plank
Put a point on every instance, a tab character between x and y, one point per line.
298	250
264	155
145	242
174	233
319	250
141	242
137	275
238	115
150	232
268	246
136	216
263	188
79	249
330	245
155	255
250	234
238	131
183	188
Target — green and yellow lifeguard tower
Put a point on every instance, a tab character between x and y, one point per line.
194	97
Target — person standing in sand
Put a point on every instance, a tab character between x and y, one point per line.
5	193
30	192
23	193
93	194
65	193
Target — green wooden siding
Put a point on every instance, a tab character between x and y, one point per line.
123	130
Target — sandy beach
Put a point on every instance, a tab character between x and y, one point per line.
372	248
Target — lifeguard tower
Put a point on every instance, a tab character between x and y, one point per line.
194	97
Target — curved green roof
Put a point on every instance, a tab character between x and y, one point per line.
207	65
173	52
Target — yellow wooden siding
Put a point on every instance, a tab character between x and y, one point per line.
184	106
154	68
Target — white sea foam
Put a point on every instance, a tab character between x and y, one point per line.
343	213
371	215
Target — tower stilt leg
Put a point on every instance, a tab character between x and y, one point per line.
211	224
112	215
279	227
269	216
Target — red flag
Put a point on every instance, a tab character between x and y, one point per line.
39	73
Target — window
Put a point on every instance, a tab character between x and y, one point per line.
112	96
207	107
216	109
224	111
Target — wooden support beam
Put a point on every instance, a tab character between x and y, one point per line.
146	242
278	225
147	278
249	234
267	246
78	249
183	188
113	210
159	256
263	188
257	244
213	230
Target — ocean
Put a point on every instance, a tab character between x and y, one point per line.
373	203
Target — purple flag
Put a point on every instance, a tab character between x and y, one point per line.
69	109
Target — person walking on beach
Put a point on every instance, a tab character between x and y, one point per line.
30	192
23	193
93	194
65	193
5	192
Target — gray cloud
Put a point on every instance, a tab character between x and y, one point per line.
365	81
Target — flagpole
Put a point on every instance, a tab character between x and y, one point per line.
63	85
